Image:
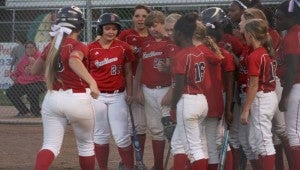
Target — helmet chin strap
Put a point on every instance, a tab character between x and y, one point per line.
58	32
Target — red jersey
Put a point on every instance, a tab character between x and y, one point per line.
227	65
133	38
243	69
234	42
260	64
69	79
152	53
107	65
291	46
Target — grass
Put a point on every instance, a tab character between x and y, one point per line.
3	99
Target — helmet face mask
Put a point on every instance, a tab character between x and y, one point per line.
214	15
108	18
70	17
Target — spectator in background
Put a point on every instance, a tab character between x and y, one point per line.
26	84
17	52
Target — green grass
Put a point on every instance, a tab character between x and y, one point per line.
3	99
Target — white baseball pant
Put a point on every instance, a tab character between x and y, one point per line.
111	115
292	116
262	112
61	107
155	111
190	128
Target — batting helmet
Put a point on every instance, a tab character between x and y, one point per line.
70	17
108	18
215	16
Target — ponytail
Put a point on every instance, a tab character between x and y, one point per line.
54	59
209	42
267	43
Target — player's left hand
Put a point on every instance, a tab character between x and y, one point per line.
244	117
128	99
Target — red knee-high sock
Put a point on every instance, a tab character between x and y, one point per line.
266	162
44	159
158	147
296	155
229	161
126	154
179	161
200	164
236	158
102	152
87	162
279	157
212	167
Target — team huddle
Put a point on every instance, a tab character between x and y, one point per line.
204	74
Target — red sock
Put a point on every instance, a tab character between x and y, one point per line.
200	164
126	155
87	162
102	153
296	155
229	161
179	161
44	159
212	167
267	162
158	147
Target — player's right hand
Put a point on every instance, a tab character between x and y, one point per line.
95	92
140	97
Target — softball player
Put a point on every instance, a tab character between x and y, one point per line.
286	19
189	102
261	96
215	20
135	38
154	83
110	65
67	99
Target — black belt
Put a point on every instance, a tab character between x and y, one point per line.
113	91
156	87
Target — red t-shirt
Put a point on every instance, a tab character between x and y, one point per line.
243	69
69	79
152	53
260	64
107	65
227	65
133	38
291	46
235	42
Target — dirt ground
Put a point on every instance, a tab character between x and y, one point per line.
20	143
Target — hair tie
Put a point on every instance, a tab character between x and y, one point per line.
292	5
58	32
241	4
212	26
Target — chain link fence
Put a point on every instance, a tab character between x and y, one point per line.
30	20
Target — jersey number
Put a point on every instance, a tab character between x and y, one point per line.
272	71
115	69
199	71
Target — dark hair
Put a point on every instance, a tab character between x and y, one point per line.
258	28
30	42
284	6
146	8
187	24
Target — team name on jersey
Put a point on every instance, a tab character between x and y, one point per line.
105	61
151	54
